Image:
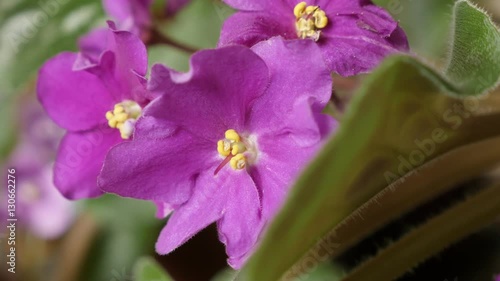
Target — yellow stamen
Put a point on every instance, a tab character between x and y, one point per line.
237	150
231	144
320	20
238	147
238	162
309	21
123	117
223	147
232	135
299	9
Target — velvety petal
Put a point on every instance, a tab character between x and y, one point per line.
249	28
79	161
91	47
356	42
231	199
258	5
339	5
291	79
130	51
75	100
378	20
132	15
158	169
121	65
277	168
284	155
163	209
204	207
213	96
286	6
242	222
129	65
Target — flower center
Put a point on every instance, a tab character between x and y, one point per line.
124	116
309	21
238	151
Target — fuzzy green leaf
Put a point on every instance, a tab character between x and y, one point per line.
475	53
147	269
428	239
404	115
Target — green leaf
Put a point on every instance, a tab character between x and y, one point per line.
147	269
428	239
168	55
198	24
406	194
425	22
127	230
475	53
8	126
404	115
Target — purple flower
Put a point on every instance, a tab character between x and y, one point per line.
354	35
225	141
40	208
97	100
39	131
131	15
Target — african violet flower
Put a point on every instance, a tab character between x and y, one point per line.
354	35
224	142
40	208
97	100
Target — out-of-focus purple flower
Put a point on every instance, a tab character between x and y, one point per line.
354	35
39	130
97	99
497	278
39	205
224	142
40	208
130	15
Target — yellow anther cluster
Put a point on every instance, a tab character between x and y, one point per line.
309	21
123	117
238	162
232	145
